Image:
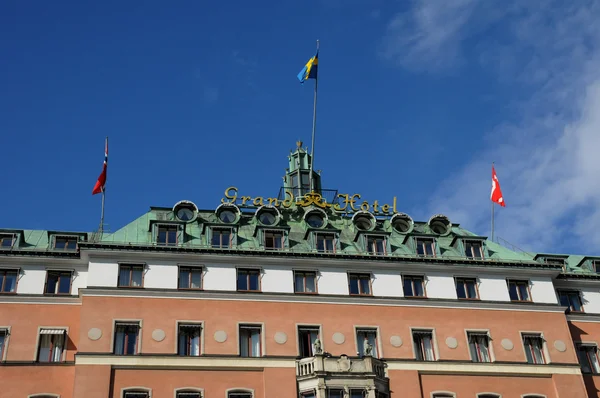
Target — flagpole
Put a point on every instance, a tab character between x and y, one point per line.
101	229
492	212
314	127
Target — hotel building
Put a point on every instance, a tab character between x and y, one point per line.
313	295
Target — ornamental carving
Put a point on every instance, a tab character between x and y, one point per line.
344	363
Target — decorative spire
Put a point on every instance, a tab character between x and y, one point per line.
299	144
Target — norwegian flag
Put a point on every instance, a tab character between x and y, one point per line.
99	187
496	195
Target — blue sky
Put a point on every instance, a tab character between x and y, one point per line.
416	99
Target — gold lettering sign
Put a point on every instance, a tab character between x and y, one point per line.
348	203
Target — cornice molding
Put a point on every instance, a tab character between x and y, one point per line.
348	262
321	299
583	317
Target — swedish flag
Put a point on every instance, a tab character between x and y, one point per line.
310	69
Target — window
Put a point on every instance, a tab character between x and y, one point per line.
8	281
474	249
126	338
3	340
307	394
519	290
364	337
335	393
423	345
466	288
250	341
596	266
571	299
360	284
488	396
555	261
305	282
325	243
357	393
221	238
188	343
479	347
167	235
58	282
375	244
65	243
136	394
534	348
239	394
443	395
273	240
7	241
248	280
306	338
190	277
188	394
131	275
52	342
413	286
588	358
425	247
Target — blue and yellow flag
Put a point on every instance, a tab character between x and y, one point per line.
310	69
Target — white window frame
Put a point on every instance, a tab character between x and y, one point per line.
114	330
307	326
241	390
136	389
545	350
39	338
366	328
6	330
490	348
263	345
188	389
182	322
434	344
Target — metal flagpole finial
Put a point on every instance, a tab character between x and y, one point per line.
317	44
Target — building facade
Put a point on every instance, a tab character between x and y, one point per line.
313	295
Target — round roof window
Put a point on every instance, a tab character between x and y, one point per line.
402	223
267	217
440	224
315	220
228	213
185	210
364	221
227	216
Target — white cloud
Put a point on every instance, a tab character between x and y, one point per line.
548	161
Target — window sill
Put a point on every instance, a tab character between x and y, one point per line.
8	293
469	299
521	301
194	289
308	293
130	287
58	294
415	297
248	291
361	294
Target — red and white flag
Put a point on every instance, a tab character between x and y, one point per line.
496	195
99	187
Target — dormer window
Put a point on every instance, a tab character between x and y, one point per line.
7	241
167	235
425	247
65	243
273	240
474	249
596	266
555	261
325	242
221	238
375	244
316	218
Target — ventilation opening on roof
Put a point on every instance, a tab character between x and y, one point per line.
228	213
402	223
440	224
363	221
267	216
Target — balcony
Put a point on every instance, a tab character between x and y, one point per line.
321	372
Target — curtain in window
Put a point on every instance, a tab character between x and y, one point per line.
479	348
195	343
583	360
120	341
124	276
427	347
255	337
58	348
45	346
136	277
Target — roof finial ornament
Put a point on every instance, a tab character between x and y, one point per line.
299	144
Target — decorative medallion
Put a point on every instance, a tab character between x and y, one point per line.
451	342
338	338
507	344
94	334
280	338
396	341
560	345
220	336
158	335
